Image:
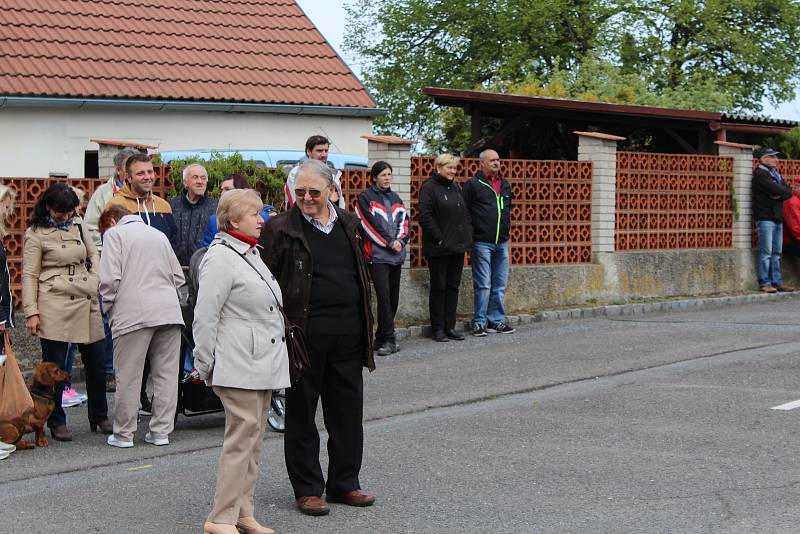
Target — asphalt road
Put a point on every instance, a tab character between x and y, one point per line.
654	423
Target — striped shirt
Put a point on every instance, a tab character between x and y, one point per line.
325	228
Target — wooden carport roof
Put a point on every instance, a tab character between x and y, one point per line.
620	119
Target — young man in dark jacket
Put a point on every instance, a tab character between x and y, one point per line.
770	190
487	196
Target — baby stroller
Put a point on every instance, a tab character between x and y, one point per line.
194	396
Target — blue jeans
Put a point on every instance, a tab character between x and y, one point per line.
489	279
770	243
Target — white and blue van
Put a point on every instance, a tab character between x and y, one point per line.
268	157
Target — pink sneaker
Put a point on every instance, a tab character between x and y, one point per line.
70	398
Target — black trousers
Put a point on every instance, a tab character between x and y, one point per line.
335	375
386	279
445	272
93	356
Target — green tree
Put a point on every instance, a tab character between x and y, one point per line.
722	55
749	48
406	45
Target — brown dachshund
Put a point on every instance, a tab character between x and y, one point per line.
46	378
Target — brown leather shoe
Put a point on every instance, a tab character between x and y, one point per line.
312	505
61	433
767	289
353	498
783	288
105	426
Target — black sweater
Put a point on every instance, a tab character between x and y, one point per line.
335	295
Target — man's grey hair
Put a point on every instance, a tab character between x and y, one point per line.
318	168
122	155
484	153
186	170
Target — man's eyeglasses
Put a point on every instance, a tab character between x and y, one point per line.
301	193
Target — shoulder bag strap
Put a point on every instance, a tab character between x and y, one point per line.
277	301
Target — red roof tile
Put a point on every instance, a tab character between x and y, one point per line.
253	51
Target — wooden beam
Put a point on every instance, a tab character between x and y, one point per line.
476	126
680	140
508	127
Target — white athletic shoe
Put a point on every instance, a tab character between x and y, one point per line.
7	447
114	442
155	441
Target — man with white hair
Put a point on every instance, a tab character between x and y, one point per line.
192	209
315	251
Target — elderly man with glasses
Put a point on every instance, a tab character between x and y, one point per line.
315	251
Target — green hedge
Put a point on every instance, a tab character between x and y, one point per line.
268	182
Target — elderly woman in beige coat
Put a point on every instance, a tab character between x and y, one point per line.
59	294
240	351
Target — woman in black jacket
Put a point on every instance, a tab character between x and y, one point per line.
446	235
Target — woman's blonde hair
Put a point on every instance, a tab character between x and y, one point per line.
234	205
7	194
445	159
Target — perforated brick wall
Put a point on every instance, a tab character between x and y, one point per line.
28	191
668	201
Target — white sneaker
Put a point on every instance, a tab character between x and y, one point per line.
114	442
7	447
155	441
4	455
70	398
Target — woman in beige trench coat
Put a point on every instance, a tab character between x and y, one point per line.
59	294
240	351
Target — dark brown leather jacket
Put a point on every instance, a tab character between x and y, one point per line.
287	254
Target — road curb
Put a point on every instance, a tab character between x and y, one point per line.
611	310
608	310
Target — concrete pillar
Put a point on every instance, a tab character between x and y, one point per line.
743	216
742	177
108	149
395	151
601	150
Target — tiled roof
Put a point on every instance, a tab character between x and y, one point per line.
253	51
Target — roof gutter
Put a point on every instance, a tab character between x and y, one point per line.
181	105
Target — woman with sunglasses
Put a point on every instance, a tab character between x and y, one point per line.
59	293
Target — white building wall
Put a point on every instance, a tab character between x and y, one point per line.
38	141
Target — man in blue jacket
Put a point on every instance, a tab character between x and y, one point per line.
487	196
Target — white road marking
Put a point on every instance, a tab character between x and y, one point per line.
788	406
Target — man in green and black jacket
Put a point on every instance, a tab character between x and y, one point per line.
487	196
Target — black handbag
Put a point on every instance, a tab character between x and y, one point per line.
295	337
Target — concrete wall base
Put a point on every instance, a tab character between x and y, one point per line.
619	276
